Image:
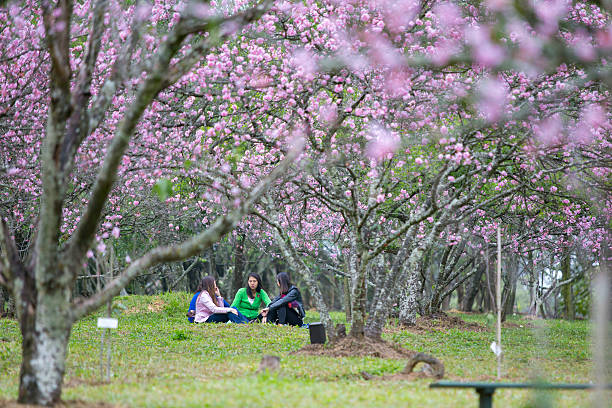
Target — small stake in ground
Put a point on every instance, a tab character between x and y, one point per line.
496	346
106	323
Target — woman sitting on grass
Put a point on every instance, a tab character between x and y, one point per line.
287	307
251	298
210	305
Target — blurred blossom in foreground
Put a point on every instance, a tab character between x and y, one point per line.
382	143
304	62
485	52
142	11
593	118
549	13
492	97
297	139
549	131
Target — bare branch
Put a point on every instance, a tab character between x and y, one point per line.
412	221
78	127
11	267
117	78
193	264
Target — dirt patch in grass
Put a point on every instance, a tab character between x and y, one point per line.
401	376
155	306
443	322
354	347
61	404
512	325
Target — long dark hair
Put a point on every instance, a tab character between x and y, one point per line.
208	284
259	287
284	281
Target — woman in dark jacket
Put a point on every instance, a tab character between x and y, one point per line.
287	307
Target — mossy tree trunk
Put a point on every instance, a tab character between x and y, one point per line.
566	290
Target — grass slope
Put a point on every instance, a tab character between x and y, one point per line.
160	360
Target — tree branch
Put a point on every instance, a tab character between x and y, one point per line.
11	267
220	28
78	128
117	78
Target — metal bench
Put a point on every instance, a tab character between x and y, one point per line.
486	390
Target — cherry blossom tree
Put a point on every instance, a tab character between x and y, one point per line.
99	87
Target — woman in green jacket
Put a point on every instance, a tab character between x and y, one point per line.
250	299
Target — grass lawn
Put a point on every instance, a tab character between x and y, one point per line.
160	360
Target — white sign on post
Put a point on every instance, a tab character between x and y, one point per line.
496	349
107	323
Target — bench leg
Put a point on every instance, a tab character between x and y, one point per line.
486	397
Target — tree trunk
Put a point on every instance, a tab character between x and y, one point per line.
194	275
4	302
358	297
569	310
43	362
239	266
164	282
385	291
509	300
460	295
45	324
212	263
491	281
446	302
472	289
347	297
408	300
409	297
509	292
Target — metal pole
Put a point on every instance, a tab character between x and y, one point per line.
108	360
601	335
102	356
485	397
498	301
109	312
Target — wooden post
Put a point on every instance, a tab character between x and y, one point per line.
498	301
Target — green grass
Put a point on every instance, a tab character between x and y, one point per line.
160	360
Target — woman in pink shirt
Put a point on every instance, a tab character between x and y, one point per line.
210	306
